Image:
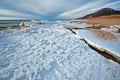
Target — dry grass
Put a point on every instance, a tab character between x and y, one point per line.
117	16
105	21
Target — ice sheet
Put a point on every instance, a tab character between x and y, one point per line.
39	53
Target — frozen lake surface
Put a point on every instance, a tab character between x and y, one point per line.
48	52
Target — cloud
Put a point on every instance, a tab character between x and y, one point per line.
13	13
45	9
89	8
39	8
114	5
78	11
10	14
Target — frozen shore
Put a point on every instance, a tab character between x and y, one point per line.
51	52
103	39
111	47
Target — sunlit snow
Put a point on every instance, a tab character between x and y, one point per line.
48	52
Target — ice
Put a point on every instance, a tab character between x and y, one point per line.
111	46
113	28
82	25
40	53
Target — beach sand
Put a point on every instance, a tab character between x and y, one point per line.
100	22
104	21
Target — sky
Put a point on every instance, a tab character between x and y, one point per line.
52	9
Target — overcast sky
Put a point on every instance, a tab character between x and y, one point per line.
52	9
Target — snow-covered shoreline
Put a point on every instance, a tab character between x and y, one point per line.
111	47
54	53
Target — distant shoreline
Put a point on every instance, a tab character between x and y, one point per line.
103	20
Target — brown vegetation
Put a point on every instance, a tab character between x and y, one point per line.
117	16
103	21
103	34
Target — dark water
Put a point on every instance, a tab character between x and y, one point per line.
10	24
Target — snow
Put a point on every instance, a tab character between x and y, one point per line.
53	53
82	25
113	28
111	46
110	29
